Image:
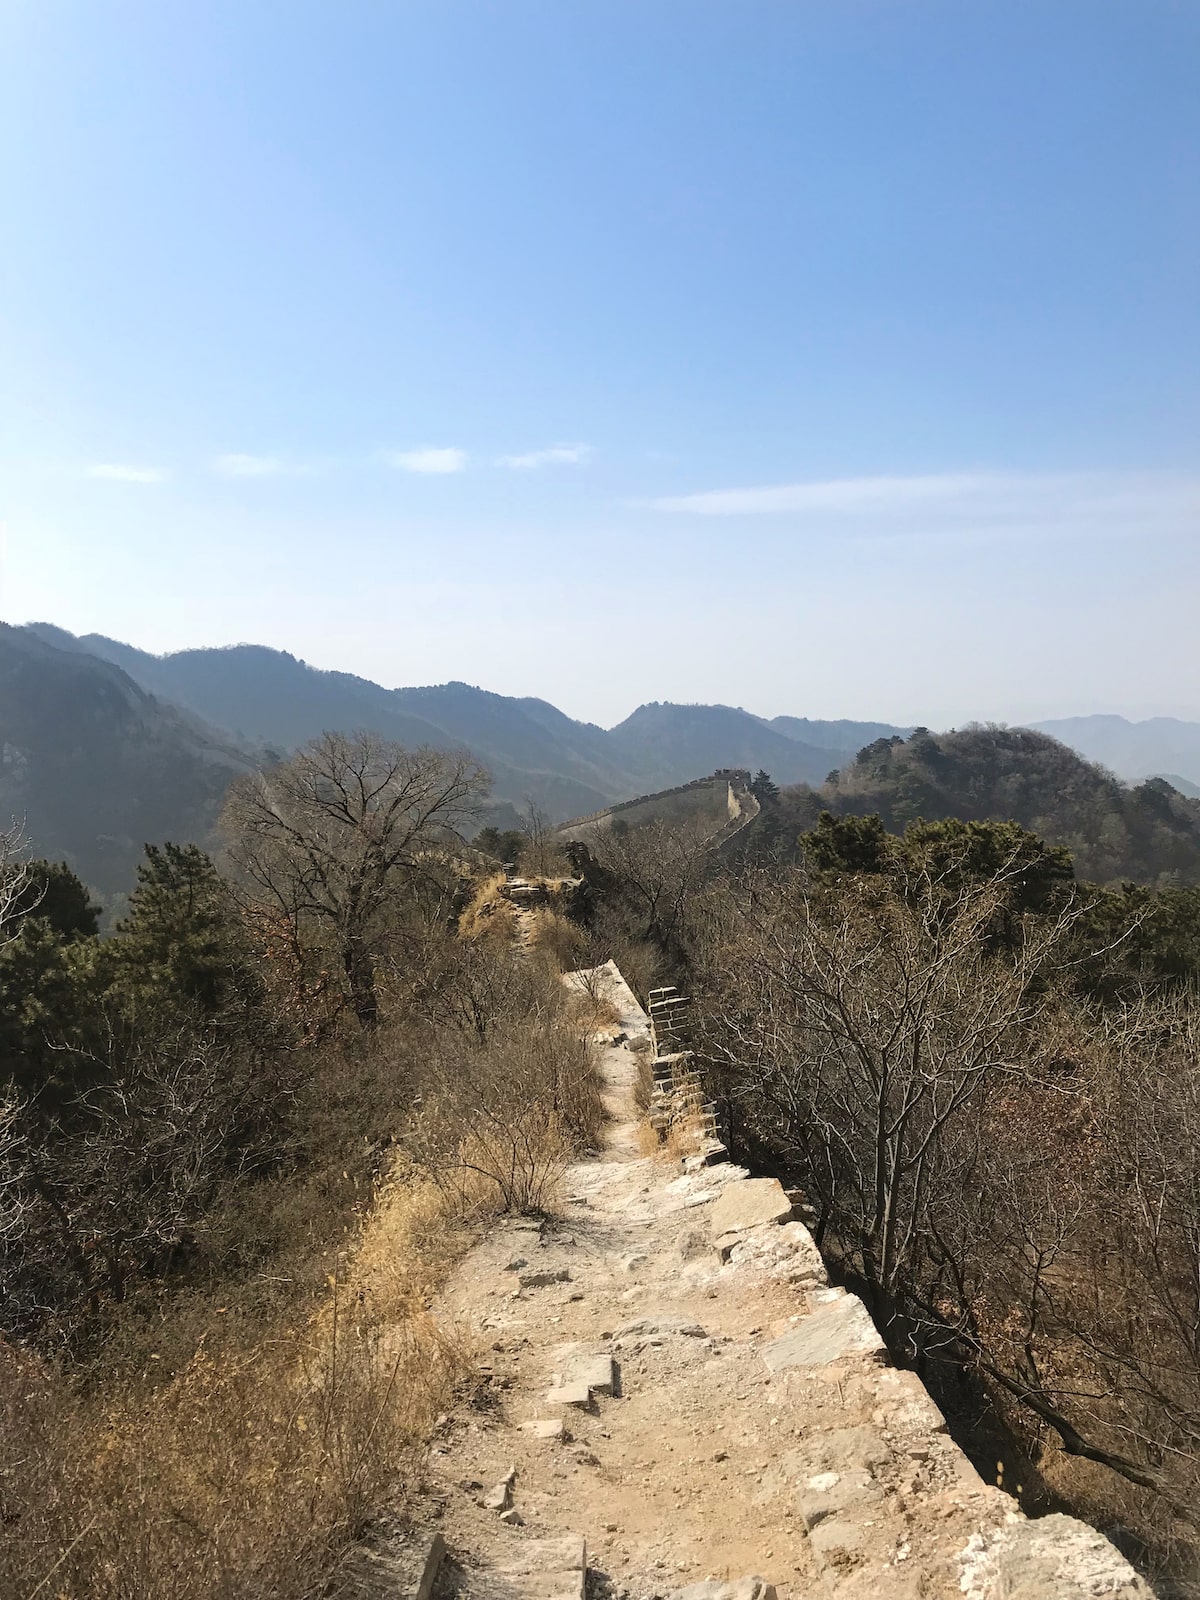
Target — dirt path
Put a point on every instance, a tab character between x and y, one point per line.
718	1418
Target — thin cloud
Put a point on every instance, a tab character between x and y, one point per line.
555	455
119	472
964	502
428	461
833	494
244	466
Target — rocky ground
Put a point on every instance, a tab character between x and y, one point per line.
670	1394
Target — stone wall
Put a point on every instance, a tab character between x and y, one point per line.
725	793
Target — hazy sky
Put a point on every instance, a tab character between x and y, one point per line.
818	356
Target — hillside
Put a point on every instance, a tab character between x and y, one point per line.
153	762
271	697
1145	832
841	735
1133	750
96	766
533	750
675	743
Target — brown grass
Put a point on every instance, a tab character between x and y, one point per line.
254	1467
488	912
237	1434
254	1470
555	936
504	1115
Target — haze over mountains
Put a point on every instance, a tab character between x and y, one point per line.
106	746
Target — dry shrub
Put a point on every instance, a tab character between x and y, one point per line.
591	1010
648	1141
554	936
684	1138
251	1472
504	1114
488	912
236	1438
643	1088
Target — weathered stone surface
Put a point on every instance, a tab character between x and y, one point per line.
541	1569
838	1326
750	1587
1054	1558
905	1405
596	1371
653	1325
545	1428
500	1498
432	1566
569	1394
830	1494
840	1450
540	1280
784	1250
746	1204
836	1541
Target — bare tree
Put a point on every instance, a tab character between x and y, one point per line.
15	881
333	840
1010	1172
870	1021
657	866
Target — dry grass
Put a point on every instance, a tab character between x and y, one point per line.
255	1467
234	1440
488	912
643	1088
684	1138
253	1471
504	1115
554	935
648	1141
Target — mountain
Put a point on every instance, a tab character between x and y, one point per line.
1133	750
1191	790
534	751
1144	832
672	744
844	737
96	766
272	698
106	746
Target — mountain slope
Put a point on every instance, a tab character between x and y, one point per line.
672	744
1132	750
534	751
842	735
273	698
97	767
1113	830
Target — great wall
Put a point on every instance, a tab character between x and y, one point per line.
674	1403
725	792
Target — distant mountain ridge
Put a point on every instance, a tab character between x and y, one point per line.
568	767
95	766
1133	750
106	746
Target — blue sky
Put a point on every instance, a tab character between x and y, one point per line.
835	357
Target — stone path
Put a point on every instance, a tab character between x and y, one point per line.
672	1397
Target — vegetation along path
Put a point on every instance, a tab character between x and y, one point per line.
671	1394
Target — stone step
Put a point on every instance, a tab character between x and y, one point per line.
542	1569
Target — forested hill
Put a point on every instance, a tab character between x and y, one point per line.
106	747
95	768
531	748
1146	832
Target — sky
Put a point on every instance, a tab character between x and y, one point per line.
825	357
